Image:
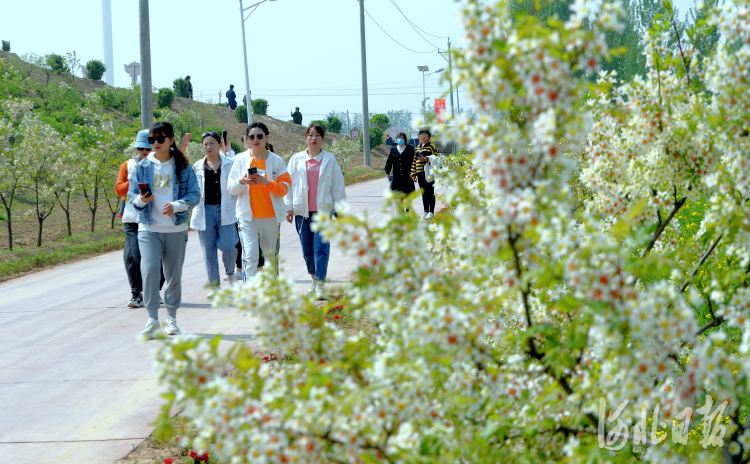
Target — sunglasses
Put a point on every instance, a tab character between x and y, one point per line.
143	149
158	139
252	137
212	134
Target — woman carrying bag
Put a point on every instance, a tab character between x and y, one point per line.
214	216
317	186
400	161
260	180
163	191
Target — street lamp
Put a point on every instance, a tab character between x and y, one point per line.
424	69
244	54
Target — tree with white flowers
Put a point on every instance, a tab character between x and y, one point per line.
532	324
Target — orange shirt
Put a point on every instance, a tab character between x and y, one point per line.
260	195
122	185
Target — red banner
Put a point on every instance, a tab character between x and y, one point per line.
440	109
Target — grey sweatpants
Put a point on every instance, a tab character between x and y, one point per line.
254	235
167	250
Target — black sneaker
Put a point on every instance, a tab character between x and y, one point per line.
136	301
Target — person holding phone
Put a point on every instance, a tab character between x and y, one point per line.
214	215
260	180
164	190
423	152
318	187
400	161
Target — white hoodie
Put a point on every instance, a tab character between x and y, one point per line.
162	188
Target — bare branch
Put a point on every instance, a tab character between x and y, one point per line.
700	263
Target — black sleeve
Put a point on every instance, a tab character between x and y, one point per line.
389	163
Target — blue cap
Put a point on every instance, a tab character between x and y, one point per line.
141	140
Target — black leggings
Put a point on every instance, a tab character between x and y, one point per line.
428	196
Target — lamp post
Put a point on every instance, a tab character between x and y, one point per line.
243	18
424	69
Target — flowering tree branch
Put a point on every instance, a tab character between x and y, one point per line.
700	263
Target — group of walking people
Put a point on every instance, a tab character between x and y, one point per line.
407	165
238	203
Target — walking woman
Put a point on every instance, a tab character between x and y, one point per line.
318	185
260	181
400	161
163	191
426	183
214	216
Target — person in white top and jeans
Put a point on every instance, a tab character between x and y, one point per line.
214	215
317	187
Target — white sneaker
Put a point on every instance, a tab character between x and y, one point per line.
231	279
152	329
320	292
424	215
429	216
211	293
171	326
313	288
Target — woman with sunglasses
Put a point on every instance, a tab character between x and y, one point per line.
163	191
214	215
318	188
260	181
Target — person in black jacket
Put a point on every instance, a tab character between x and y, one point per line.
399	162
231	98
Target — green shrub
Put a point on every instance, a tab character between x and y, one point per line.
57	64
380	121
164	98
260	106
6	45
134	112
181	88
236	146
377	137
111	98
241	114
95	69
321	123
334	124
157	114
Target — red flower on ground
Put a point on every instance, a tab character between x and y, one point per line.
193	454
337	317
265	358
168	461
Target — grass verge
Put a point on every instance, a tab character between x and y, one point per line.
18	262
350	179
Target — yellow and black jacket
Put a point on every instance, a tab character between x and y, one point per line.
423	149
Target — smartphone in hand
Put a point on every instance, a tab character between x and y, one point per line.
252	171
145	191
224	137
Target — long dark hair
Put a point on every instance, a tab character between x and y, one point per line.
180	161
259	125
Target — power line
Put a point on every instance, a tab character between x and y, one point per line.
431	35
414	26
403	46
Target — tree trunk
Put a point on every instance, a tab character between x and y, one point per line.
10	231
65	208
39	234
112	225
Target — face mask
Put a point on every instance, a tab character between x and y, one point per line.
401	141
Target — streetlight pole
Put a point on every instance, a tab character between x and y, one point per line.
424	78
147	98
243	18
365	109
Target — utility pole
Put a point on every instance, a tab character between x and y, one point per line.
147	97
244	55
348	128
365	109
450	77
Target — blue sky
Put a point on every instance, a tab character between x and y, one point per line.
302	53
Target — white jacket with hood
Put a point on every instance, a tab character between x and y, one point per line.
274	168
228	201
331	186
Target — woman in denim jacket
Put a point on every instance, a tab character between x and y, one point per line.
163	210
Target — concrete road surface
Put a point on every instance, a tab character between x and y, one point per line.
75	384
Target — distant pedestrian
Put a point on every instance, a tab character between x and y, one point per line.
131	252
423	153
388	140
190	90
214	215
398	166
297	116
318	187
231	98
171	190
260	181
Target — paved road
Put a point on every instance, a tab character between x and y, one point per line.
75	384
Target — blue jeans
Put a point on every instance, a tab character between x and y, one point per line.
219	237
315	251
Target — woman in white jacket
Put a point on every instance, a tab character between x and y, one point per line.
214	216
317	186
260	181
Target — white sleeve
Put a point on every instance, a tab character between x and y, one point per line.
233	182
338	185
289	197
